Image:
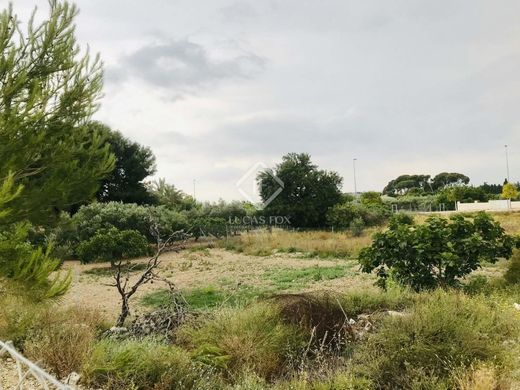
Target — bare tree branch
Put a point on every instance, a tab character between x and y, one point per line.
122	271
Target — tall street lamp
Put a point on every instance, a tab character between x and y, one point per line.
507	163
355	184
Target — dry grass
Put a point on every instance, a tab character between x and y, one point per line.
482	377
63	339
314	243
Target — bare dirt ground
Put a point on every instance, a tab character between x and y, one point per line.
9	376
188	270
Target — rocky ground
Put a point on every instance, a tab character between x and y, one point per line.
9	377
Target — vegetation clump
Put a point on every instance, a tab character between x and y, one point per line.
113	244
437	253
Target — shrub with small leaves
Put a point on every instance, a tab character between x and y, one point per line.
113	244
357	226
436	253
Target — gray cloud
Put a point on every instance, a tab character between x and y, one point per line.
404	86
183	66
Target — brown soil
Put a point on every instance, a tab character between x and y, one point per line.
191	270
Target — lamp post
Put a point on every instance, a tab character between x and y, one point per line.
355	184
507	163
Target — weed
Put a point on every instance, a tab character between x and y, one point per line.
253	338
443	331
63	339
315	243
290	278
144	365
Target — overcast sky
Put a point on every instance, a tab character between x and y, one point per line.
217	86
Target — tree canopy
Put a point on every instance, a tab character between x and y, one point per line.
407	183
509	191
449	179
168	195
308	192
134	163
418	184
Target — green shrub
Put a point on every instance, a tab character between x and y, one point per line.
357	226
143	364
436	253
342	215
112	244
444	331
235	340
512	275
401	219
126	216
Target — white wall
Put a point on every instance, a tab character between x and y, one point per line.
492	205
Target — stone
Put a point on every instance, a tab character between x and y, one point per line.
72	379
393	313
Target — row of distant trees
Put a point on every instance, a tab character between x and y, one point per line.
449	187
312	197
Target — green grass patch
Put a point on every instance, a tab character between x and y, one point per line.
207	297
289	278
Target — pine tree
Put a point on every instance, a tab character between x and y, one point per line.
49	90
49	158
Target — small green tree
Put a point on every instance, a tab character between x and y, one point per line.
371	198
113	244
509	191
436	253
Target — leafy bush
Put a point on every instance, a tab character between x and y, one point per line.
401	219
113	244
357	226
442	333
126	216
512	275
343	215
437	253
143	364
236	340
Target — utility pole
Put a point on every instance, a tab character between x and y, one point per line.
194	189
507	163
355	184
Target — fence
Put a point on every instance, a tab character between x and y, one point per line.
27	369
